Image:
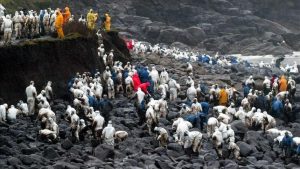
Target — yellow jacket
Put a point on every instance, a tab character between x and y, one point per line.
223	97
59	21
282	84
91	19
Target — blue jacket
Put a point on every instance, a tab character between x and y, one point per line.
105	106
287	141
298	150
144	75
246	90
91	101
261	103
277	106
97	104
191	118
125	74
205	107
70	83
42	16
151	87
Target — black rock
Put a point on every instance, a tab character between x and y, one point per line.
27	160
258	140
104	151
172	115
50	153
245	149
64	165
239	127
28	151
67	144
4	140
162	165
175	147
13	161
4	150
213	164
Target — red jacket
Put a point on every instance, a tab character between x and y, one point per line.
144	87
136	81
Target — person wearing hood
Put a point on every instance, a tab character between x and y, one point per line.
246	90
277	108
144	75
266	85
144	87
67	15
17	25
107	22
282	84
108	134
106	107
41	23
91	19
261	102
286	144
223	97
7	27
59	21
203	115
136	81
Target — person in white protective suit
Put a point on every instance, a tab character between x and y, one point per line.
31	95
162	136
193	139
7	27
17	19
108	134
173	86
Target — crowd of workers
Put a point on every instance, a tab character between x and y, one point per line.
29	24
211	110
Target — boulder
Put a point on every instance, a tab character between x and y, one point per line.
175	147
162	165
13	161
239	127
104	151
27	160
67	144
4	150
28	151
245	149
50	153
258	140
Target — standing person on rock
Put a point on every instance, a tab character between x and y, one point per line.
7	27
205	110
41	23
67	15
223	97
17	25
31	96
140	105
108	134
283	84
106	107
107	22
286	145
59	21
91	19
